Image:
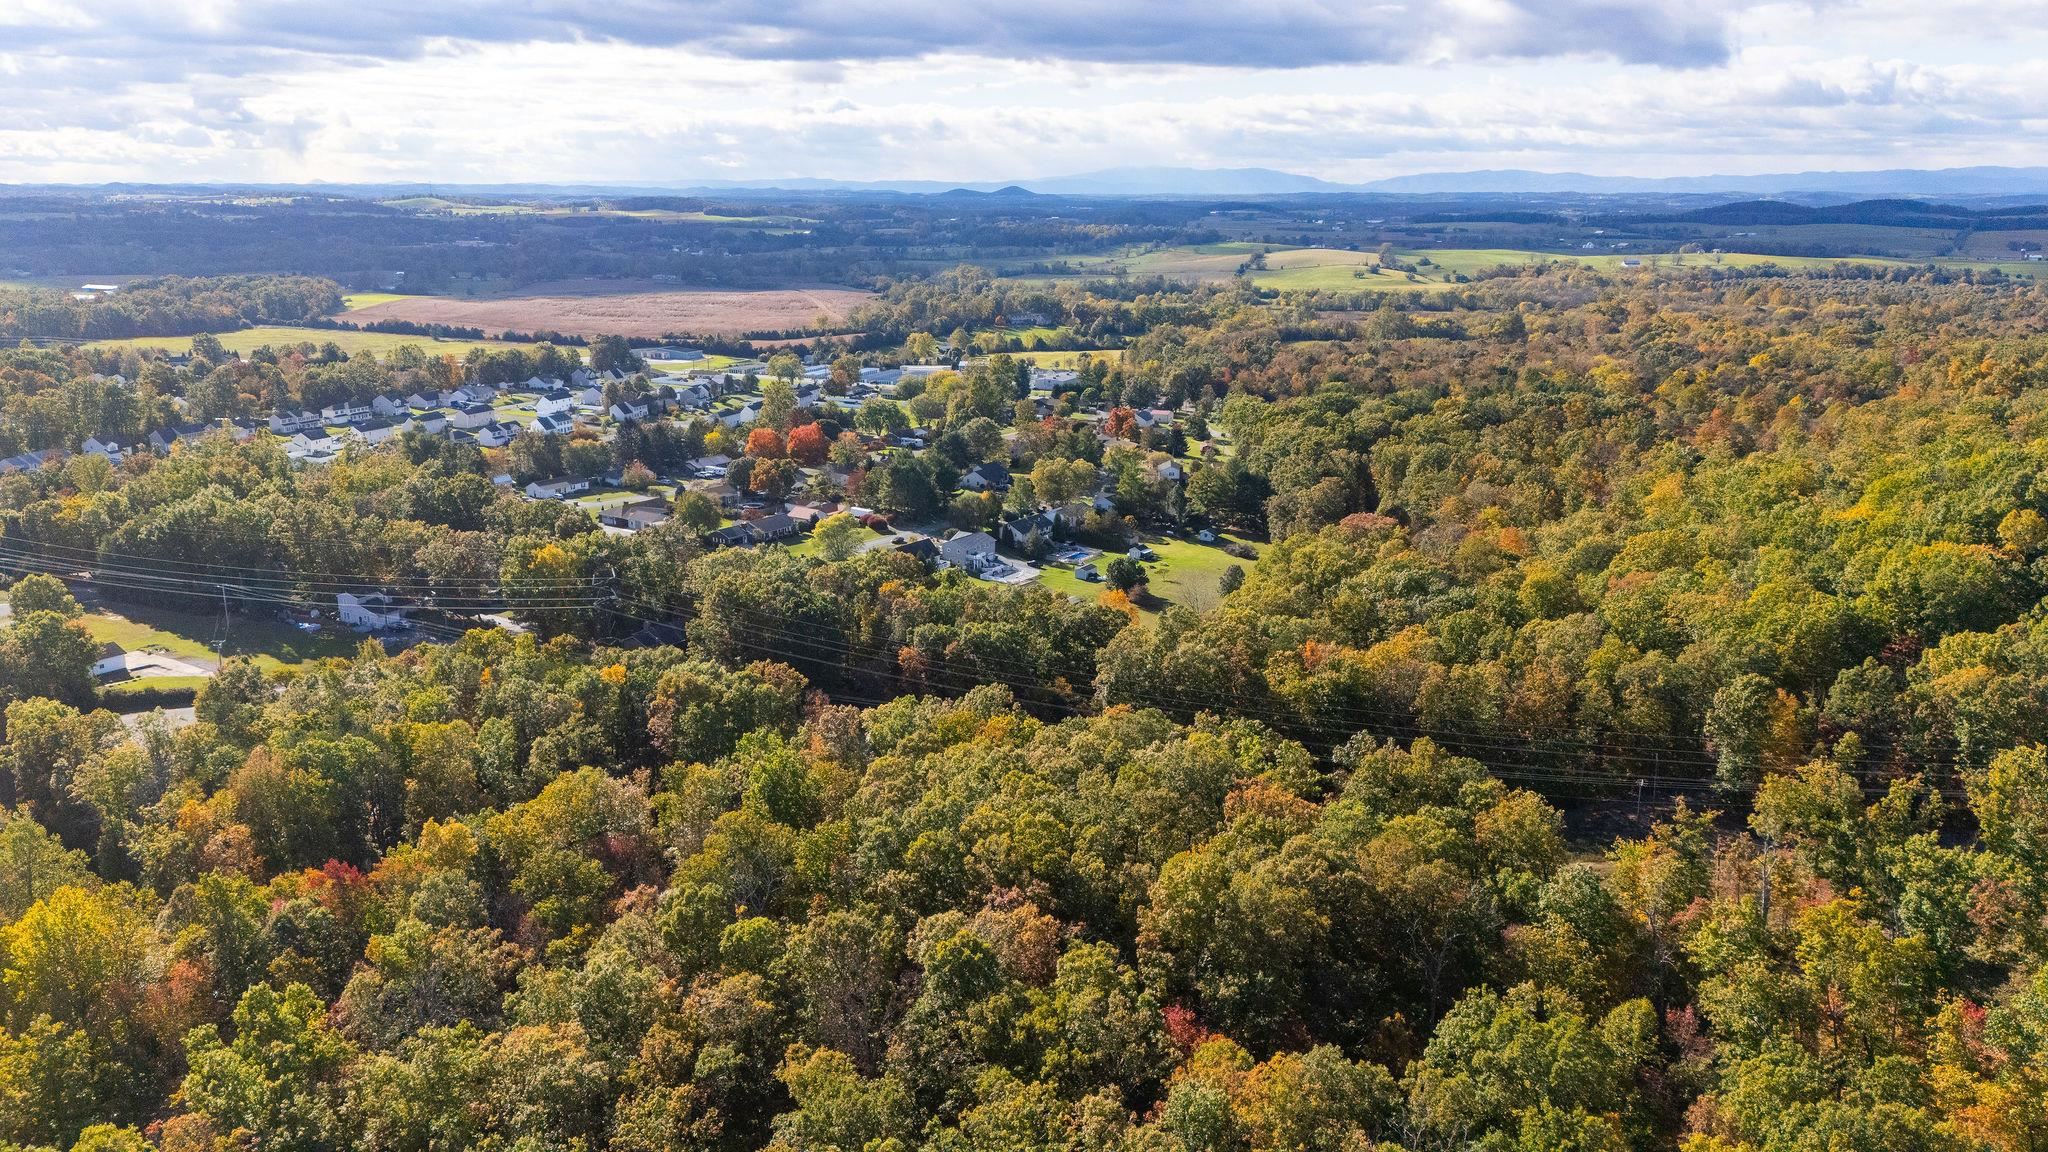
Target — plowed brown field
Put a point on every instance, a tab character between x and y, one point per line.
592	311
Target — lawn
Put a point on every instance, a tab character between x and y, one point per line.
189	635
153	684
1186	573
710	363
247	340
808	544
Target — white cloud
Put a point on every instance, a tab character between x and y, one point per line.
476	91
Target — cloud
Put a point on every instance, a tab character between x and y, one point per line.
225	36
553	90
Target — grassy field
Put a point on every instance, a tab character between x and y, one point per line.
1068	359
189	636
113	692
1345	270
354	343
710	363
365	299
1186	573
807	544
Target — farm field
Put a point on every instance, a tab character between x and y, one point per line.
600	309
247	340
1338	269
366	299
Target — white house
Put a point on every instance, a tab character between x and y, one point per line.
496	435
389	407
369	611
473	416
476	393
553	425
346	412
553	403
626	410
986	477
95	446
378	431
286	423
556	489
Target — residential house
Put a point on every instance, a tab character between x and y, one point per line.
378	431
635	516
389	407
554	425
318	440
629	409
30	461
432	423
476	394
473	416
1153	417
808	515
1048	523
286	423
346	412
496	435
162	439
370	611
748	533
554	403
556	489
970	551
986	478
95	446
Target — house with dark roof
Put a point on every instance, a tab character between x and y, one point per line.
986	478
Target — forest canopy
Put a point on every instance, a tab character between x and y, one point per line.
1627	734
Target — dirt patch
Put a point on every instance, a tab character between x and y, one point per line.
594	312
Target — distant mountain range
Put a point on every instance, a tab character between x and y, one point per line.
1979	181
1212	183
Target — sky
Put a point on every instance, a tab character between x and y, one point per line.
667	91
